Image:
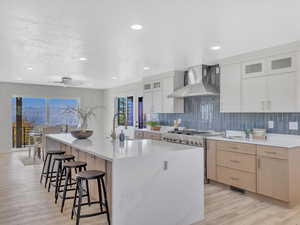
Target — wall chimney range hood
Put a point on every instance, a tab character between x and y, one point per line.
203	80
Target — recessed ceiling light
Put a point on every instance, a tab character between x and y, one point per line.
29	68
19	79
114	78
136	27
216	47
82	59
146	68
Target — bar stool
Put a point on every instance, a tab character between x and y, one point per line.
48	160
58	159
85	176
67	170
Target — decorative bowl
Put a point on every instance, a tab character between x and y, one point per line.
81	134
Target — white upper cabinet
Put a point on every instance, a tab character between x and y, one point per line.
147	102
230	88
275	93
254	68
157	91
282	63
266	81
157	102
282	93
254	94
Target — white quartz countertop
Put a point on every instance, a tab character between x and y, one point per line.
110	150
277	140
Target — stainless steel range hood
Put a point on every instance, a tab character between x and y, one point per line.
200	81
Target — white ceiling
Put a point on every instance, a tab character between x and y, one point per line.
51	36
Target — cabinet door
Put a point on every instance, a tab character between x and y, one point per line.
282	93
147	101
168	88
273	177
282	63
211	160
230	88
254	68
157	101
254	94
147	87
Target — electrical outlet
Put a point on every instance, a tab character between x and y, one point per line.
270	124
293	125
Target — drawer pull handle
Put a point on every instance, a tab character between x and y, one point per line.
235	161
234	178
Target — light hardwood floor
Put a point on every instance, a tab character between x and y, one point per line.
24	201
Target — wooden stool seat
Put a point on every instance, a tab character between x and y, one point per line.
64	157
75	164
90	174
54	152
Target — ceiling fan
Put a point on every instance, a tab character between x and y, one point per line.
69	81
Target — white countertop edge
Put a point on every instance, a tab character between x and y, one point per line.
275	143
105	157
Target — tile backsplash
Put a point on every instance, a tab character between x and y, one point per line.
203	113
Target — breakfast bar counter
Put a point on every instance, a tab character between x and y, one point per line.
146	179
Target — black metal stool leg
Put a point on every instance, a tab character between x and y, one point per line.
88	192
75	199
79	201
59	185
43	170
65	190
51	175
59	172
105	200
100	194
48	169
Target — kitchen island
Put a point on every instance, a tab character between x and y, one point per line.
149	182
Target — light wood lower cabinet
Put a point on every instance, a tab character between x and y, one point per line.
273	177
267	170
211	158
237	178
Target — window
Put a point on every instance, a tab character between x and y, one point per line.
130	111
125	107
36	113
121	111
56	115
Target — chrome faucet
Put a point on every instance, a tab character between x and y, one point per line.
113	133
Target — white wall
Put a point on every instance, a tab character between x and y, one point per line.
87	98
134	90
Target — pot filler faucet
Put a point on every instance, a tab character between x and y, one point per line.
113	133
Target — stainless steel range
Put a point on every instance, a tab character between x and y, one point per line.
193	138
188	137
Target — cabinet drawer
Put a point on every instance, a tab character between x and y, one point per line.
236	147
273	152
235	160
237	178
